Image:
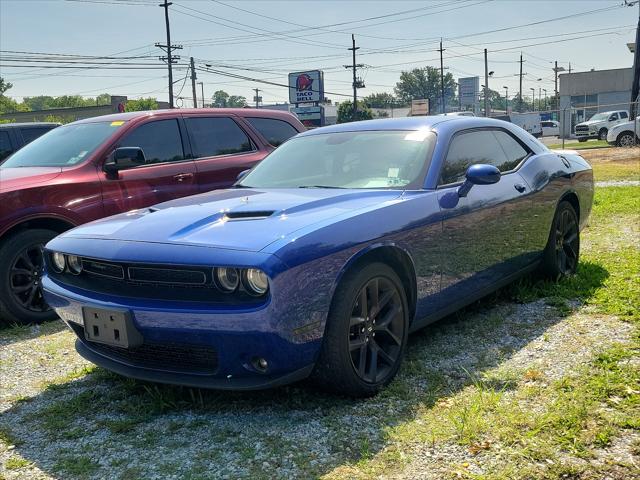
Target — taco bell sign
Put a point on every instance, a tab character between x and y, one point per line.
306	87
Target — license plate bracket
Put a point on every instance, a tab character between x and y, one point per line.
110	327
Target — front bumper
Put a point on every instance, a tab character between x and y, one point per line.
237	338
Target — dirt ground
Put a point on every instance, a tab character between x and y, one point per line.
612	154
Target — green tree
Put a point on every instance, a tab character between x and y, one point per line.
237	101
424	82
141	104
345	112
381	100
4	86
103	99
9	105
220	99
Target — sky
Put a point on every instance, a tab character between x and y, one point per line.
267	39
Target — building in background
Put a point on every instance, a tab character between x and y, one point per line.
583	94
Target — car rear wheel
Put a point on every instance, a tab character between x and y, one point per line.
602	134
562	252
366	333
625	139
21	267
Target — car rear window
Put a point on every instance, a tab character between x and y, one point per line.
213	136
274	131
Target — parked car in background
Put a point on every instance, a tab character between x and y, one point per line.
14	136
458	114
599	125
529	122
105	165
324	257
622	134
550	128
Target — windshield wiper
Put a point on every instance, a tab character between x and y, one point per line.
318	186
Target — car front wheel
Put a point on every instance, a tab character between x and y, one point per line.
625	139
366	333
21	267
602	134
562	252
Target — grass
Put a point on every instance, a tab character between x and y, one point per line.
606	171
16	463
580	145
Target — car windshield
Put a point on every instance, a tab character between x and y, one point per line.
600	116
367	159
63	146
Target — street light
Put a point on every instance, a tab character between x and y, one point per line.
533	98
506	100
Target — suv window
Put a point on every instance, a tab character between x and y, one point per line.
613	116
276	132
5	145
217	136
493	147
160	141
30	134
624	115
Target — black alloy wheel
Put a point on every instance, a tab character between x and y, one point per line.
376	330
562	252
21	269
366	332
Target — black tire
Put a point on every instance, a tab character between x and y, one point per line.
21	264
582	140
562	253
602	134
351	329
625	139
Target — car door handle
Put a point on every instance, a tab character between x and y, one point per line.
521	188
181	177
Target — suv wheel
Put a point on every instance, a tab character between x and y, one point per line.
21	267
625	139
602	134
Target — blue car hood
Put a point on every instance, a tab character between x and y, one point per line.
239	219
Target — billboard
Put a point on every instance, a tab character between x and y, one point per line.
310	117
420	107
306	87
469	91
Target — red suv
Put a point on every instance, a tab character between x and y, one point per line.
106	165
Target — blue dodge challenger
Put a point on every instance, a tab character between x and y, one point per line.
323	258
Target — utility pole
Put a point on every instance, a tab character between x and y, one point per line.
202	91
506	100
486	85
441	76
556	99
168	48
193	84
520	105
635	86
356	83
257	99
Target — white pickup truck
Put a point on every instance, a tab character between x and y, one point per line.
599	125
622	134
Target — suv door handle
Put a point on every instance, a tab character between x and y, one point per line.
521	188
181	177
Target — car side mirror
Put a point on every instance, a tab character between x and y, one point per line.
123	158
479	174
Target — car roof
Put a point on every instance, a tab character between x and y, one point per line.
29	124
410	123
172	113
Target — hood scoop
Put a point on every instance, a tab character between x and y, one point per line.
248	215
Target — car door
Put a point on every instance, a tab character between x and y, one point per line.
221	149
168	171
484	232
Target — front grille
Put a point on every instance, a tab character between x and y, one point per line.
167	275
104	269
582	128
170	357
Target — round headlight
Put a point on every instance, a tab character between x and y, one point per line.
58	262
75	264
256	281
227	279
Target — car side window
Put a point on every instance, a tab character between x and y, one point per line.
623	115
470	148
276	132
5	145
30	134
513	151
213	136
160	141
614	116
